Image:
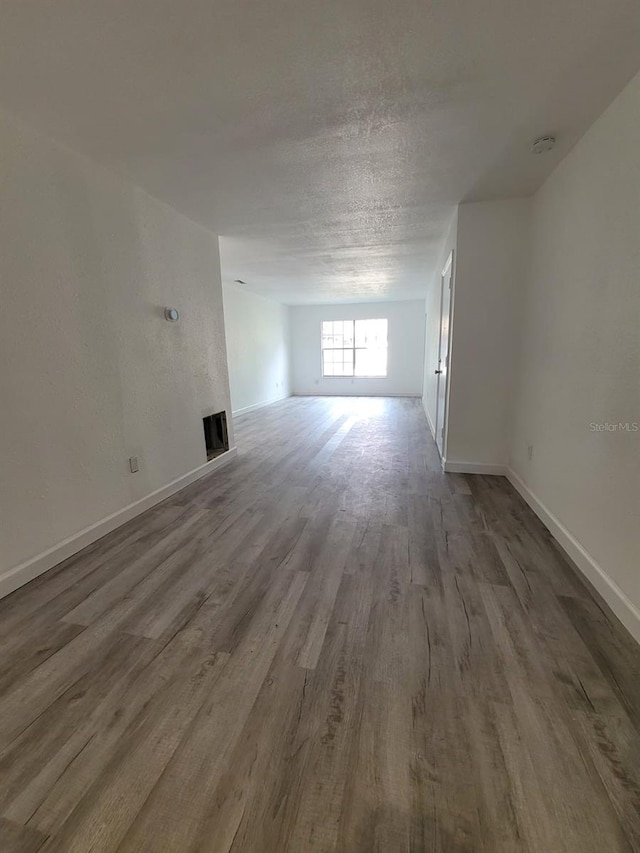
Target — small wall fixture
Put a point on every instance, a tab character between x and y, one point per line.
543	144
171	314
239	281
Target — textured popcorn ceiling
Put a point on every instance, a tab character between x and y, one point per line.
327	140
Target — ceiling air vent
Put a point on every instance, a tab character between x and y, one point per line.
543	144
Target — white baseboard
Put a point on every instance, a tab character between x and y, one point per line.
255	406
30	569
350	394
452	466
429	421
621	605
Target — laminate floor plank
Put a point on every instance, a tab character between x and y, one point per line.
614	652
31	649
614	746
74	580
146	691
19	839
328	646
180	803
66	733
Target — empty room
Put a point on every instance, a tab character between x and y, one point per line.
320	427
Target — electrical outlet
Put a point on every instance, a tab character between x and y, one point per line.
530	452
133	464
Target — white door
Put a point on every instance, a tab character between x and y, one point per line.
442	368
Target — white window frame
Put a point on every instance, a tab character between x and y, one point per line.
354	349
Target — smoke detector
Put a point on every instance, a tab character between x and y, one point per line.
543	144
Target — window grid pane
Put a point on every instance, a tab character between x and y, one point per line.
371	362
354	348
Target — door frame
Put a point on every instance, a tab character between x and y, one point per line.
446	269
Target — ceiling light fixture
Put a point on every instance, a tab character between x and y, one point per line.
543	144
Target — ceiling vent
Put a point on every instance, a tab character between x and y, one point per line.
543	144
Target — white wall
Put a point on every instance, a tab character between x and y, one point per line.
432	323
580	353
546	347
91	372
405	357
257	334
491	264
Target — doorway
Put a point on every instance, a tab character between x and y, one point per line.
442	370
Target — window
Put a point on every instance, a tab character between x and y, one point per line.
354	348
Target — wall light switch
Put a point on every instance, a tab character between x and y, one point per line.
133	464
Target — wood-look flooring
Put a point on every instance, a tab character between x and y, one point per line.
327	646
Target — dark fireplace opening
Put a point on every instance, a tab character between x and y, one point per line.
215	434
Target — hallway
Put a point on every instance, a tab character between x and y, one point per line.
328	645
